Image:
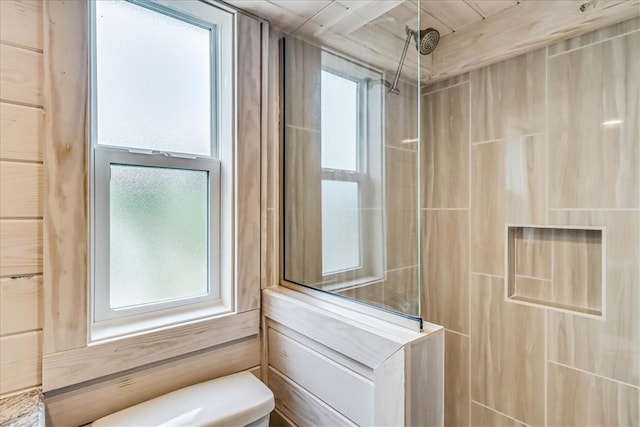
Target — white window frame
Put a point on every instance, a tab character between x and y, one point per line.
371	266
107	323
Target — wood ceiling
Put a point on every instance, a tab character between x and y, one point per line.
473	32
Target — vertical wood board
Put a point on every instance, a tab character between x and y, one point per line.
65	175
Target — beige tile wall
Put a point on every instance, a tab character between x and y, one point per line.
522	142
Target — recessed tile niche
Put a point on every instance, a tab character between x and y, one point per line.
556	267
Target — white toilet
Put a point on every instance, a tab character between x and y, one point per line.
235	400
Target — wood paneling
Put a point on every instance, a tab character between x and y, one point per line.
20	304
20	247
21	75
21	23
20	366
65	176
79	406
286	15
297	403
454	14
21	136
523	28
86	363
20	190
21	132
473	33
490	7
248	167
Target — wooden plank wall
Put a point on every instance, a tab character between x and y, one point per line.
21	142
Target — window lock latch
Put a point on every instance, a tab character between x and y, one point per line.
161	153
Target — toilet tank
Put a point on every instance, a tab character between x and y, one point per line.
235	400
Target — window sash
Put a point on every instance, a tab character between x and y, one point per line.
103	322
364	188
217	27
103	159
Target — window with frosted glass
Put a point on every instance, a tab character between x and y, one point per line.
156	176
158	233
339	125
340	226
153	80
341	242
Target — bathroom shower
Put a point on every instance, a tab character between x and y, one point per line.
426	41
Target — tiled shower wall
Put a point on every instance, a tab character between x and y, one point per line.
522	142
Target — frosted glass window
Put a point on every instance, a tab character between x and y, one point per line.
158	234
340	226
339	125
153	80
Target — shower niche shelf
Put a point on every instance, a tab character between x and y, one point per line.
556	267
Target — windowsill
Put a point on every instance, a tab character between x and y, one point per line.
120	354
147	324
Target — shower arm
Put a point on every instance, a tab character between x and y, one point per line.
394	88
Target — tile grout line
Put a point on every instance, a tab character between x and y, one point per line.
490	141
401	149
628	33
302	128
448	87
456	332
498	412
445	209
494	276
602	377
595	209
546	220
522	276
469	186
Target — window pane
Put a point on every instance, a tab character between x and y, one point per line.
339	99
159	229
340	226
153	79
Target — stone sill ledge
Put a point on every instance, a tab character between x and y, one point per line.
22	409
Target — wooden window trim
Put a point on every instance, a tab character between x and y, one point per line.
67	357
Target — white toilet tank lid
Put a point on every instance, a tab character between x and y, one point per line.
234	400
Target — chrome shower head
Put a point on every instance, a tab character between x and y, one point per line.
426	40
